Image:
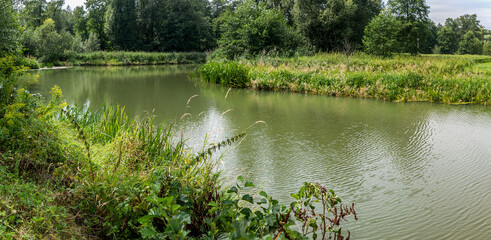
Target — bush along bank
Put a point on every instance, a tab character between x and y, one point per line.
432	78
67	173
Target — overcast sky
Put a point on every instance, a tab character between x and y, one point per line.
439	9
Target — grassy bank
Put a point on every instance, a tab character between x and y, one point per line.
67	173
403	78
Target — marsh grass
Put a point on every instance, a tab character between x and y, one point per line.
402	78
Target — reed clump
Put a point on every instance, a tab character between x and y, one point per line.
402	78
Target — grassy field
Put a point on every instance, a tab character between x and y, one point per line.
403	78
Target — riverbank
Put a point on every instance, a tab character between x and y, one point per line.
119	58
403	78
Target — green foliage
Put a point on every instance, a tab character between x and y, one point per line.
95	19
27	62
34	12
253	28
409	10
448	40
184	27
49	44
92	43
325	23
452	37
28	211
80	23
470	44
415	28
120	24
381	35
9	28
365	11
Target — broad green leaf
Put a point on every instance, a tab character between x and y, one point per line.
248	198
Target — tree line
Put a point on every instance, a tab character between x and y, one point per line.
240	27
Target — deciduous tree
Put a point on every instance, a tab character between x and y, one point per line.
413	14
381	35
325	23
120	24
9	28
253	28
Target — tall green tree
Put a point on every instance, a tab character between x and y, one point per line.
95	19
413	15
33	13
80	22
448	40
253	28
149	17
185	26
381	35
461	35
466	23
9	28
470	44
365	11
324	23
120	25
50	45
54	10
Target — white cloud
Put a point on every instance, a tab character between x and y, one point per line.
74	3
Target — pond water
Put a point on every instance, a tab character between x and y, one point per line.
413	170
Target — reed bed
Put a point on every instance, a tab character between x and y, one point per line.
402	78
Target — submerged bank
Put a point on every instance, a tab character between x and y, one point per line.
403	78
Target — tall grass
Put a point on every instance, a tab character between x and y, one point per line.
440	78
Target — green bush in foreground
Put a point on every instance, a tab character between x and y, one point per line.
66	173
441	78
